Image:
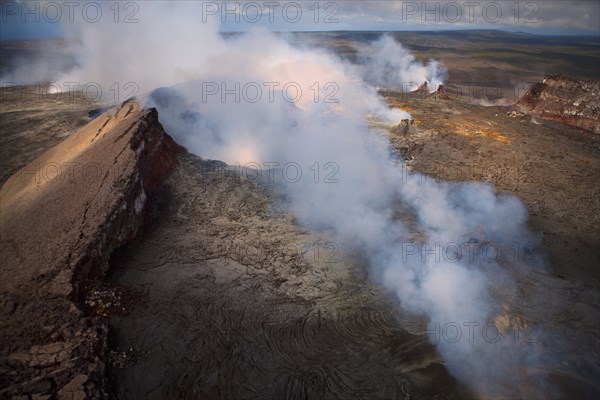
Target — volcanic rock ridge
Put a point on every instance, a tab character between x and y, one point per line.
63	215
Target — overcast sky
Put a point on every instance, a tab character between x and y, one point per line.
34	19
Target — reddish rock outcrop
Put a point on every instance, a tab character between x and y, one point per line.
423	88
61	217
403	127
441	93
560	98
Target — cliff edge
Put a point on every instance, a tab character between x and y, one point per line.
560	98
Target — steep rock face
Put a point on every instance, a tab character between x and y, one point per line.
560	98
61	217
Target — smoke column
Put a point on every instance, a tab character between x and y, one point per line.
180	62
391	66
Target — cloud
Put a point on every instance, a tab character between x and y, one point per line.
582	15
31	19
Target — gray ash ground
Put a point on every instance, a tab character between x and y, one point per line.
261	322
228	307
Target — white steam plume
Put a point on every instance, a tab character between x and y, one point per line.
388	64
171	47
